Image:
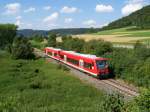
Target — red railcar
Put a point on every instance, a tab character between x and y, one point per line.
96	66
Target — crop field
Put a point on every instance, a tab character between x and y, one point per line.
122	35
39	86
128	31
110	38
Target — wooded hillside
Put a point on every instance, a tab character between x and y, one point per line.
140	19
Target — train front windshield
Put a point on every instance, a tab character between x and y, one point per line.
101	64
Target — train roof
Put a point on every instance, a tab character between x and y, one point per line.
57	49
85	55
89	56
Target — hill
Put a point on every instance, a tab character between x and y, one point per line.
140	19
63	31
30	32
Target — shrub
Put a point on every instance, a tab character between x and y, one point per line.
113	103
22	49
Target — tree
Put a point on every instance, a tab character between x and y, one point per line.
22	49
74	44
52	40
98	47
7	34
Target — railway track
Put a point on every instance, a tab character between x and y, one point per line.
123	89
109	85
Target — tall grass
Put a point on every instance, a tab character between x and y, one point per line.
39	86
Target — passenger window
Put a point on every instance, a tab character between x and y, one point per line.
55	54
49	53
62	56
88	65
73	61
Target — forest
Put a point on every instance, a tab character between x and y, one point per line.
140	19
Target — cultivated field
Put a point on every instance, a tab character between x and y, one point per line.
122	35
110	38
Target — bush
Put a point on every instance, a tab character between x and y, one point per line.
97	47
22	49
73	44
113	103
143	101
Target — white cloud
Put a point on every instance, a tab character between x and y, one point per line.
68	20
30	9
104	8
47	8
102	25
129	8
134	1
18	22
54	16
12	8
132	6
90	23
67	9
18	17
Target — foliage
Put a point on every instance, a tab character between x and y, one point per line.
143	101
113	103
140	103
22	49
37	38
7	34
70	43
52	40
140	18
132	65
74	31
97	47
141	50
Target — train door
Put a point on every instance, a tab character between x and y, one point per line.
81	63
53	54
65	58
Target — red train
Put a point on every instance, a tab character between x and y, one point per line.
96	66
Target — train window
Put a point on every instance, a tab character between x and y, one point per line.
101	64
88	65
73	61
55	54
62	56
49	53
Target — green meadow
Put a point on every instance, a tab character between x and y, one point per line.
126	32
39	86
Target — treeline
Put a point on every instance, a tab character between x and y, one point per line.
97	47
74	31
140	19
63	31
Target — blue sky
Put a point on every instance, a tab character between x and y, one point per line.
51	14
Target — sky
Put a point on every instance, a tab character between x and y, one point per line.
53	14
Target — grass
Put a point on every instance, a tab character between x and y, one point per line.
39	86
126	32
